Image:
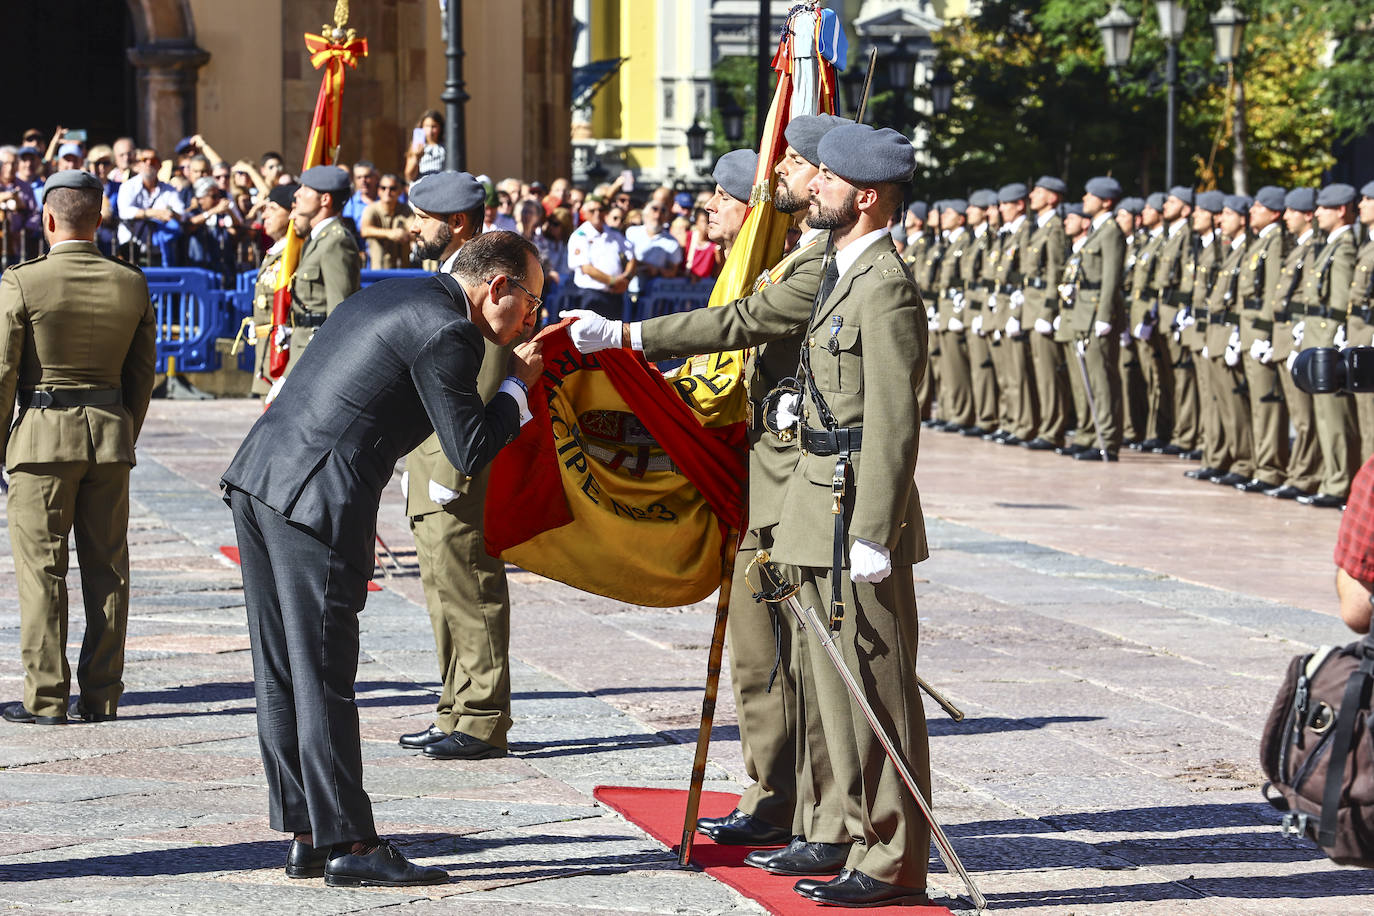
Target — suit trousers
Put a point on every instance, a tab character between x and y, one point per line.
1102	359
47	502
759	635
1268	420
1186	413
303	603
1336	436
878	640
984	381
956	384
468	601
1235	452
1051	388
1304	470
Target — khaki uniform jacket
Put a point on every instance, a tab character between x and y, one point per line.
1042	265
869	380
1144	295
1102	261
328	272
1261	273
1007	275
264	290
959	258
920	258
75	319
1169	275
1202	270
771	321
982	274
1289	307
1326	290
1361	328
1223	305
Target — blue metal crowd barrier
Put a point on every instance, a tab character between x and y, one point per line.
662	297
191	310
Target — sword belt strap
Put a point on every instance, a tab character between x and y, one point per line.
839	441
837	483
307	319
72	397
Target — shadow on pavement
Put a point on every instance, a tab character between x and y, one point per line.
940	726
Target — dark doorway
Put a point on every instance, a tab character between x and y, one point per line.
71	57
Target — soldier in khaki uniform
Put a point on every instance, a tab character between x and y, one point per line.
1174	285
1205	266
1076	227
1257	288
1302	476
1232	452
1145	333
1016	381
1360	326
980	260
1326	291
328	271
1128	214
952	318
465	587
1042	264
920	256
276	222
77	352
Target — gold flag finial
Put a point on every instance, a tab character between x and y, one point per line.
337	33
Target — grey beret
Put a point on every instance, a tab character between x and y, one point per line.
447	192
920	209
983	197
1050	183
1074	209
1301	199
1105	188
327	179
1336	195
204	186
958	205
1133	205
1155	201
865	156
804	133
1183	194
1211	201
1270	197
283	195
1368	190
735	172
76	179
1240	203
1010	193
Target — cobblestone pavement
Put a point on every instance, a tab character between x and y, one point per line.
1115	635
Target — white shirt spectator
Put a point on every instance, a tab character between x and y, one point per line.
607	251
655	250
134	196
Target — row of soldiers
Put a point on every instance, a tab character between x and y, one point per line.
1164	324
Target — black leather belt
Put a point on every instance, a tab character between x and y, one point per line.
1171	297
1084	284
1364	312
1283	317
1324	312
987	285
1036	283
1149	292
1252	303
1201	314
308	319
1231	319
832	441
1066	306
72	397
1263	325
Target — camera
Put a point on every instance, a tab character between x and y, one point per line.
1326	370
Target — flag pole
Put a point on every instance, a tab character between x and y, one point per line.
708	700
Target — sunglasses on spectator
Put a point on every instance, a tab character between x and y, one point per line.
147	159
388	187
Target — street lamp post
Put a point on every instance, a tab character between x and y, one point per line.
731	115
1228	27
941	91
1171	19
454	95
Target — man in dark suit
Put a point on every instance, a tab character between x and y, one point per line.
394	363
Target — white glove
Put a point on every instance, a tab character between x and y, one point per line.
1232	354
1204	354
1262	352
977	325
1339	341
955	325
1017	298
931	312
997	335
1143	331
405	485
1058	319
1067	291
1292	358
274	390
787	410
1013	326
992	301
957	300
1185	320
1297	333
1044	327
591	332
869	562
1125	338
1102	328
441	495
1081	345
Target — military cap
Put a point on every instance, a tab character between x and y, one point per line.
1050	183
1270	197
804	133
1368	190
1303	200
1211	201
1182	193
862	155
734	172
73	178
1075	209
327	179
1237	202
983	197
920	209
1132	205
283	195
442	193
957	204
1336	195
204	186
1155	201
1104	187
1010	193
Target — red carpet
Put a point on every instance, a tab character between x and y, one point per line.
659	812
233	554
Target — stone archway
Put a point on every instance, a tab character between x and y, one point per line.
167	59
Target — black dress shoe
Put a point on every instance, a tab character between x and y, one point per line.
974	431
459	746
306	861
1230	479
16	713
78	710
1039	444
1321	501
740	829
1152	445
1286	493
1132	444
1009	439
1169	449
801	858
855	889
1194	455
1254	486
1203	473
1092	454
930	423
383	866
1070	450
995	435
949	426
417	740
806	885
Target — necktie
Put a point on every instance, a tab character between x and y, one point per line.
828	281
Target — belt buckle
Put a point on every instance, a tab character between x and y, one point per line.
42	399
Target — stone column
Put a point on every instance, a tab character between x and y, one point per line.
167	91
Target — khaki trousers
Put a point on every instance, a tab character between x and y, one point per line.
1020	386
1304	470
1336	436
1364	419
984	381
1051	388
956	385
1268	420
1185	388
1134	408
47	502
1236	453
1104	378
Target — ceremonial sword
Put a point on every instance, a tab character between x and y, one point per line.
774	587
1088	393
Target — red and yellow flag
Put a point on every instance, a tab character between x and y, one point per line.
341	49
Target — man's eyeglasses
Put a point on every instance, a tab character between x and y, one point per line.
147	159
534	309
387	187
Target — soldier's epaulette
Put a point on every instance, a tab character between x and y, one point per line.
116	259
41	257
889	265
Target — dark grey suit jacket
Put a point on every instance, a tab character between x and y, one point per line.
394	363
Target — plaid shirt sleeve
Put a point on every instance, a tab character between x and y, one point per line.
1355	540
